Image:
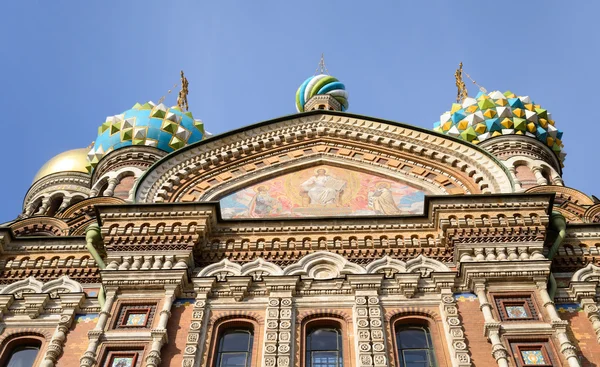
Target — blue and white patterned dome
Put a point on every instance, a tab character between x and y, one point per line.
158	126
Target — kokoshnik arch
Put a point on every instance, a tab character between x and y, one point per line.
323	239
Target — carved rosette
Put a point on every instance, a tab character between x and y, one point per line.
194	334
278	333
369	330
455	331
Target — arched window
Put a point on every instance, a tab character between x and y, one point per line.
324	347
23	356
414	346
235	348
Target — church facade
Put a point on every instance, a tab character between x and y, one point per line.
319	239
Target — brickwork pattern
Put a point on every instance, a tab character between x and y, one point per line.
472	321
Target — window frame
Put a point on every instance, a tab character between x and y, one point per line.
501	300
11	343
220	340
308	351
219	324
398	326
517	346
322	321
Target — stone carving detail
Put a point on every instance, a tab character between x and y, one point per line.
278	343
369	329
455	331
192	345
63	284
322	265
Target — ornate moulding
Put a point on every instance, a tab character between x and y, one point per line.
475	168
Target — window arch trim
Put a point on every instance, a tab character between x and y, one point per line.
436	336
315	321
16	340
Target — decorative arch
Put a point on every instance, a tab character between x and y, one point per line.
591	273
425	266
63	284
221	270
87	206
386	265
259	268
323	265
41	226
218	165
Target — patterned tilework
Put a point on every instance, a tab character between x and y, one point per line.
533	357
516	312
89	317
495	114
568	307
183	302
465	297
158	126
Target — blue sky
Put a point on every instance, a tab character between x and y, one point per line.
66	65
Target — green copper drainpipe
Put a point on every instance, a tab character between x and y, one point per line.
93	237
558	222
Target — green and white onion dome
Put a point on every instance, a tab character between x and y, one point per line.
319	85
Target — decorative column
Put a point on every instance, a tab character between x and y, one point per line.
197	332
560	326
492	327
70	303
159	335
44	206
89	357
454	329
368	321
110	189
65	203
518	185
280	315
537	172
585	293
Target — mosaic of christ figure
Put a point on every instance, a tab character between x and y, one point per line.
322	188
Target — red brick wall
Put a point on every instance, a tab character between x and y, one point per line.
77	340
123	187
177	330
581	333
472	319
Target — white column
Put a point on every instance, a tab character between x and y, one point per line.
518	185
44	207
492	327
110	189
159	335
537	172
89	357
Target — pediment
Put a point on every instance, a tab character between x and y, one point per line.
211	169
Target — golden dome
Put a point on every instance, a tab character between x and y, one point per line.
71	160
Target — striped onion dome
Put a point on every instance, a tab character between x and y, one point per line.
319	85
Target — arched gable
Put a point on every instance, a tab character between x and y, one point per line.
226	163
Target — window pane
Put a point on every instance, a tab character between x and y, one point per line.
233	360
23	357
416	358
324	339
325	359
412	338
235	341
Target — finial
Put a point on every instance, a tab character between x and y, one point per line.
322	69
182	101
462	92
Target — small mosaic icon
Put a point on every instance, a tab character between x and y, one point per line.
516	312
123	362
533	357
137	319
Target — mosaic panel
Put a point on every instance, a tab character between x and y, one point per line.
533	357
323	191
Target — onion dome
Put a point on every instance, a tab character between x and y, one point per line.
70	161
321	84
495	114
167	129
